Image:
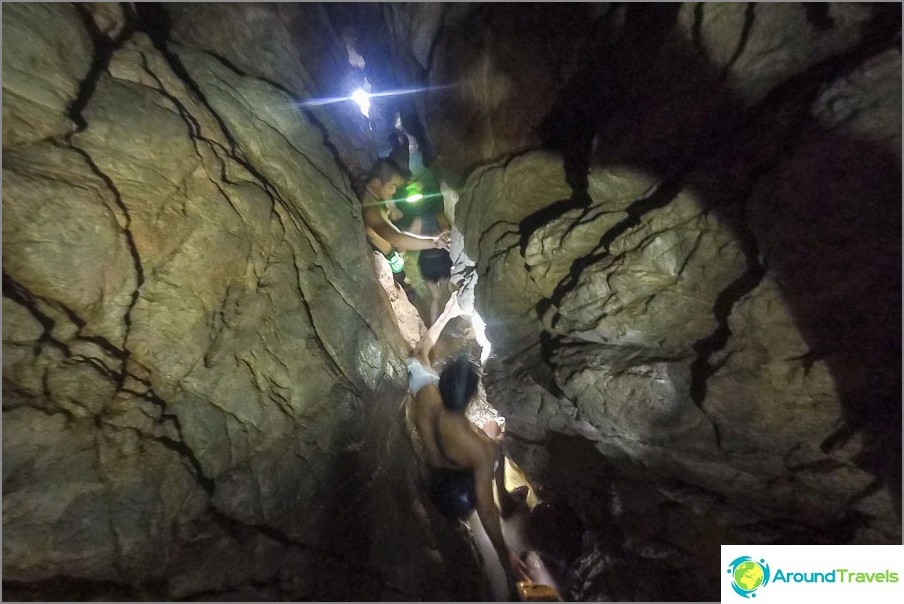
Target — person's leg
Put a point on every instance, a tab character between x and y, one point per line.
441	292
397	265
435	294
401	280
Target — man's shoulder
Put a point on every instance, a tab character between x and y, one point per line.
482	451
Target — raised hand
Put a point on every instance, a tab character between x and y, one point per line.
519	567
443	241
453	308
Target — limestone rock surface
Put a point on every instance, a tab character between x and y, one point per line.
202	376
688	283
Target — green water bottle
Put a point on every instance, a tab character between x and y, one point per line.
396	263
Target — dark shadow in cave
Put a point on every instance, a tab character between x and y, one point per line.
607	573
845	212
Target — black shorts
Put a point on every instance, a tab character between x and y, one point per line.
453	492
435	265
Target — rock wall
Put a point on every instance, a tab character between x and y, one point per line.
686	225
202	377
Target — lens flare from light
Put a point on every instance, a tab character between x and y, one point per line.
414	198
363	101
362	97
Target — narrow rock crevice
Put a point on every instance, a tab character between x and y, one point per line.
697	28
701	199
103	53
129	238
314	166
179	446
749	18
308	113
20	294
334	363
658	198
701	368
194	134
158	27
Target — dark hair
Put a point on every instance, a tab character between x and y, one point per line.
458	383
384	170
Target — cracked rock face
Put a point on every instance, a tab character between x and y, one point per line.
202	376
693	291
685	220
33	108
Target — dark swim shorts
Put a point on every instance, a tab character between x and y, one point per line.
435	265
453	492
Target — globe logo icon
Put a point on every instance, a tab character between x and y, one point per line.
748	575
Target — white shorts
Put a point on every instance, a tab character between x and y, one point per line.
419	376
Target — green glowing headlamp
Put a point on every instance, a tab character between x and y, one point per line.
413	193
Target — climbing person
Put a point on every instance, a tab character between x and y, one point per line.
423	216
378	189
463	461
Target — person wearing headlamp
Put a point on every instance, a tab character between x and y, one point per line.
380	186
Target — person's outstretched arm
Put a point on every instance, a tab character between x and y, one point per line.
488	513
425	346
374	219
506	505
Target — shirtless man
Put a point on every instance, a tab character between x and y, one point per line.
463	460
384	179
